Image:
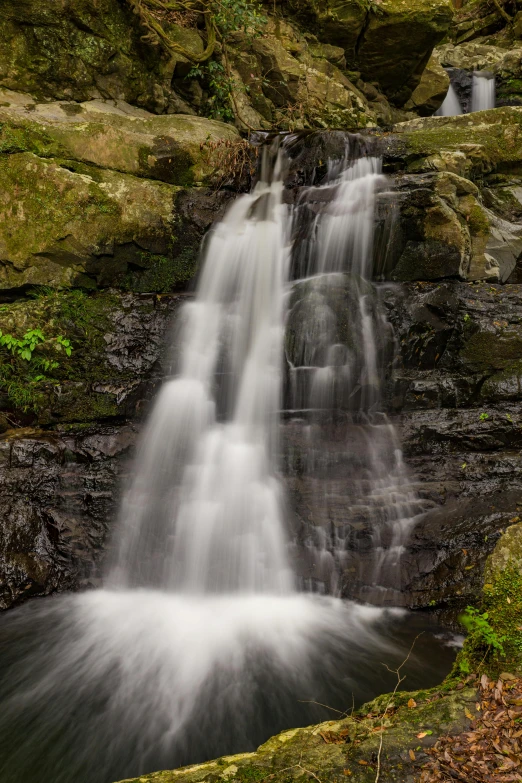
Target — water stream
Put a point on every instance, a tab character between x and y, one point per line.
450	107
200	643
483	91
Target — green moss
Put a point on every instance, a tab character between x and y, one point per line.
488	350
26	139
498	131
162	274
501	607
85	320
478	222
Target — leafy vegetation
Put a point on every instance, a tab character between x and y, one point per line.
56	337
211	66
28	361
482	635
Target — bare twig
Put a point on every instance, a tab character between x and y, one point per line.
400	679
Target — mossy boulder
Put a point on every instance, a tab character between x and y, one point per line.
345	749
65	223
291	84
170	148
372	36
431	90
82	50
445	231
65	227
381	53
497	132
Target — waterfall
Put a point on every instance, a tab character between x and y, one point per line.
339	343
451	105
483	91
204	514
199	643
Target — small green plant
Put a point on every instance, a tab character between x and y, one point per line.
221	88
484	416
467	317
482	634
508	417
27	361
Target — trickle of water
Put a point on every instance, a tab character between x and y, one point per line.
483	91
450	107
337	346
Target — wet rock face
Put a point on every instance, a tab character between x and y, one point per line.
60	486
58	500
453	393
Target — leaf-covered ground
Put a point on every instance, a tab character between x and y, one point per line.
491	750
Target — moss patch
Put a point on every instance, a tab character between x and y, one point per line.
502	601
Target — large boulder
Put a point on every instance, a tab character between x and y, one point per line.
91	194
444	231
114	135
381	53
431	90
373	35
82	50
487	139
292	83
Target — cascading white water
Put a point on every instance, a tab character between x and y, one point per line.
198	645
336	365
483	91
450	107
204	514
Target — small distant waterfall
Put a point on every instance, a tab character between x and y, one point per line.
338	341
477	92
451	105
483	91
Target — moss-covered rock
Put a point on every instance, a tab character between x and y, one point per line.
82	50
381	54
446	232
116	340
170	148
291	84
347	748
497	131
495	644
373	34
431	90
65	223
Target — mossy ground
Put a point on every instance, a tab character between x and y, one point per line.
84	319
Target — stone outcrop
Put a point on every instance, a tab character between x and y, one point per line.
79	50
370	33
346	748
92	194
319	66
